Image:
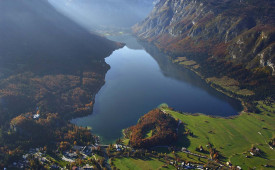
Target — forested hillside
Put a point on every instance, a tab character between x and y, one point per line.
49	67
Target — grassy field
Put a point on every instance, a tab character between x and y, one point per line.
188	63
230	85
232	137
57	160
179	59
149	134
139	164
185	62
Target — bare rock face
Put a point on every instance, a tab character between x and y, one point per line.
238	31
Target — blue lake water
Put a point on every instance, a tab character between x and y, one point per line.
140	79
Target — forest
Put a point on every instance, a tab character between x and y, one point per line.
51	68
153	129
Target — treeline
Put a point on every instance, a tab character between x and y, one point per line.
162	127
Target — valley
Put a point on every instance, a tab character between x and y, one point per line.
189	86
144	78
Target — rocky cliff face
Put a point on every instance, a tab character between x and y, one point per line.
236	31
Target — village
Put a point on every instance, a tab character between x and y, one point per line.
98	156
87	157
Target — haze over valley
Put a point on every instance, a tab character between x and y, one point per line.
105	13
137	84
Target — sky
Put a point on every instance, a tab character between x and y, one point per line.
106	13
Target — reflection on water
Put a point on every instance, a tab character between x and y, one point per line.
140	80
171	70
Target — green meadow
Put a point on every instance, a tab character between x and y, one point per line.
232	137
137	164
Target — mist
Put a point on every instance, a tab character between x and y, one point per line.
32	31
94	14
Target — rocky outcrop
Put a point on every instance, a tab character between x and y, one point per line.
237	31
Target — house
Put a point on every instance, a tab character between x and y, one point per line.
87	150
183	149
87	167
25	156
54	166
79	148
94	148
255	151
75	168
36	116
44	160
182	164
200	167
71	155
118	147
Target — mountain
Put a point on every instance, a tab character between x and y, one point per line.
34	28
114	13
47	61
234	38
50	71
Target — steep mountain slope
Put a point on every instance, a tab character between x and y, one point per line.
35	27
232	37
50	71
47	62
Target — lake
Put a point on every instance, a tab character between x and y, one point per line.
140	79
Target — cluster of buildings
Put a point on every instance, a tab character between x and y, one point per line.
254	151
86	167
37	154
184	165
183	149
33	154
85	151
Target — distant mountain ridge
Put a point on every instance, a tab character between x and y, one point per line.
34	28
240	33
